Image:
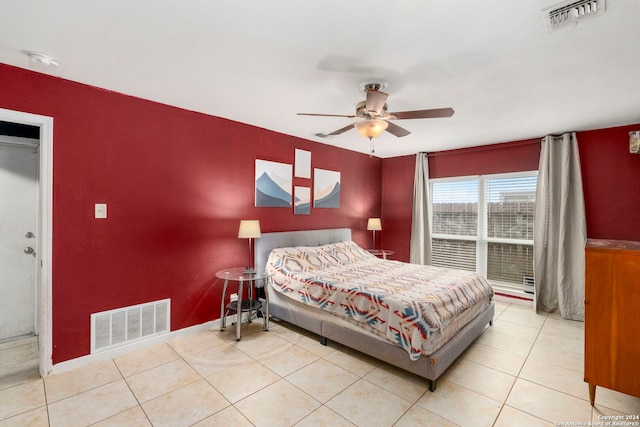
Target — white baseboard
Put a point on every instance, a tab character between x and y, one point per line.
79	362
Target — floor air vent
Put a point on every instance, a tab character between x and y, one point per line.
560	15
121	326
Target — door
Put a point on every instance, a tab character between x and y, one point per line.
18	222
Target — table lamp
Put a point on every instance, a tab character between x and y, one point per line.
249	229
374	224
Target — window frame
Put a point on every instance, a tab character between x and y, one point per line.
481	238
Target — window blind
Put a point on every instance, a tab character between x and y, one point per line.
485	224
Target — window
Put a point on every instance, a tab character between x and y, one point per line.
485	224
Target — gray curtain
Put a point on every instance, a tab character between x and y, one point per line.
420	220
559	229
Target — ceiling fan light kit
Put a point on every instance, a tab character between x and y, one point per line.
371	128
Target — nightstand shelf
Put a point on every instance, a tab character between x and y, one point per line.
248	305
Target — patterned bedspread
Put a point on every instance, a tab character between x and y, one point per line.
406	303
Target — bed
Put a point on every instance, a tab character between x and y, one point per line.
422	337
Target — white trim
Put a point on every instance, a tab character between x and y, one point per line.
509	291
482	248
45	235
510	241
455	237
81	361
515	299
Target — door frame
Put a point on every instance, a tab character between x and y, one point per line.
43	321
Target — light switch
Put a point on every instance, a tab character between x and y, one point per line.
101	210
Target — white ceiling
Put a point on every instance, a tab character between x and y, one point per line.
260	62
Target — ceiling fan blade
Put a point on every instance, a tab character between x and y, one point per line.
424	114
396	130
342	130
375	101
326	115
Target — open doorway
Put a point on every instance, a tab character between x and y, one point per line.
26	173
19	146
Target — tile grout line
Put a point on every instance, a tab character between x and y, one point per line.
520	371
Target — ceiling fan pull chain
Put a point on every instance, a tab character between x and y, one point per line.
371	144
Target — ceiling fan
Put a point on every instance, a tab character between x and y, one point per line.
376	117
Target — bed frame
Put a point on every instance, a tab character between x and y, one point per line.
429	367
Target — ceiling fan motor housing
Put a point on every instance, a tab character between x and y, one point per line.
363	113
378	85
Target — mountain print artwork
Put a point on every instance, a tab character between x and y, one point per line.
302	200
326	192
273	184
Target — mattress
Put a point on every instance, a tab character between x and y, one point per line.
418	308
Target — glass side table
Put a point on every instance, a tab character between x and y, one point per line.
259	279
381	253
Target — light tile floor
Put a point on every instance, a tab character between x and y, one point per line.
526	370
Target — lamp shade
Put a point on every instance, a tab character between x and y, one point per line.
249	229
371	128
374	224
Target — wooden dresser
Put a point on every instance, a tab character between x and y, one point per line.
612	316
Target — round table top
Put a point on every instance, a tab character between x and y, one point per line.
240	273
378	252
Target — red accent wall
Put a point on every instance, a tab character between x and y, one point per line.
508	157
610	179
610	175
177	183
397	205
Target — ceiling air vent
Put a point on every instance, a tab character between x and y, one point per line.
567	13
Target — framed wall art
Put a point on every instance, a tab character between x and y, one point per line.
326	188
273	184
302	200
302	164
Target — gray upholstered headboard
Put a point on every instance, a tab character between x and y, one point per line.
283	239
